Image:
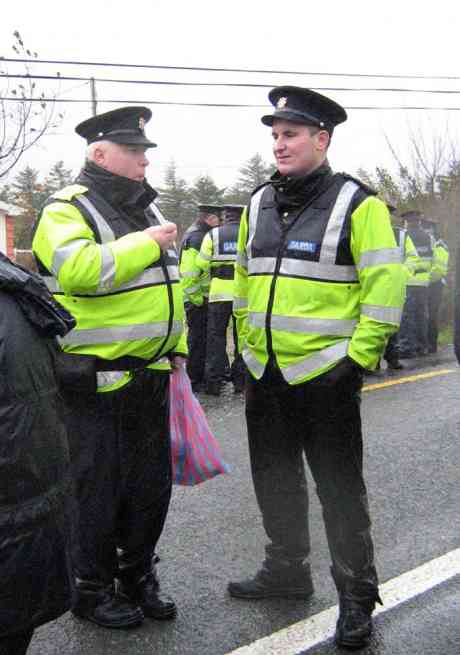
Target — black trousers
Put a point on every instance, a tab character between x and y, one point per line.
413	333
121	462
16	644
321	420
197	318
219	316
392	348
434	305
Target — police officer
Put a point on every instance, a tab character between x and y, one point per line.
413	334
107	253
410	258
217	259
196	291
318	290
438	275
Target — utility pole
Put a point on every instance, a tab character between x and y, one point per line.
93	95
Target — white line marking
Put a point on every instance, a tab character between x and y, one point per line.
321	627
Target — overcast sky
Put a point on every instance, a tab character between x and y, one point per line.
374	38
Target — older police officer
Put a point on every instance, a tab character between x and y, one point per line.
107	253
319	287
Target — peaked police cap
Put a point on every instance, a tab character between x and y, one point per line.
299	105
124	126
210	209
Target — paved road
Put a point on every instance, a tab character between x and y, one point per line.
214	534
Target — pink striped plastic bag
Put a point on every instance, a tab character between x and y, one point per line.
195	452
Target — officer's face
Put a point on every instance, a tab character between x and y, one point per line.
127	161
296	150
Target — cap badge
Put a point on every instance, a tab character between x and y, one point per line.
141	123
282	102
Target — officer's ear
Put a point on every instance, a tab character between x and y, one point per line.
323	138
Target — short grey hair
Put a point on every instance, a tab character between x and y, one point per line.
92	147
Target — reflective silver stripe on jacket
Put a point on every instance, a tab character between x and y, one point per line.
216	256
240	303
303	269
146	278
108	378
331	238
414	282
402	243
220	297
252	363
194	273
104	228
380	257
317	361
62	253
381	313
323	326
252	220
242	260
120	333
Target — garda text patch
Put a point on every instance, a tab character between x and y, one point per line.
303	246
229	246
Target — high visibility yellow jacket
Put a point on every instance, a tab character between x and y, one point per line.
313	287
217	260
122	290
420	273
440	264
407	250
195	283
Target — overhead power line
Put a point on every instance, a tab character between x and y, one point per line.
211	104
220	84
227	70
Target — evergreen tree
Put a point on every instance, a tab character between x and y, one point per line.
174	200
58	177
204	191
29	195
251	175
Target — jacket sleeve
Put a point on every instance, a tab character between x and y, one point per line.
190	275
382	281
411	257
440	261
66	246
240	285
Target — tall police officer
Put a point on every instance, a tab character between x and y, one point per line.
196	291
217	259
319	287
413	335
107	253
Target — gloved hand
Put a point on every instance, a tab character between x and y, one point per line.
346	372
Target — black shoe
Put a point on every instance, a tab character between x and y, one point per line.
147	594
105	607
395	365
213	388
198	387
267	584
354	626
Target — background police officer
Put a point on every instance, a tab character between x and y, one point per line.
217	260
195	286
318	290
438	273
413	334
108	255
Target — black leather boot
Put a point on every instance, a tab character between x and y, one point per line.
275	581
358	594
145	591
213	388
354	626
104	606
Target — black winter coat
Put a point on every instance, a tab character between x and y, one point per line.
35	487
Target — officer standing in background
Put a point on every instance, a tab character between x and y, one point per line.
196	290
413	334
319	288
107	253
410	258
217	260
438	275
